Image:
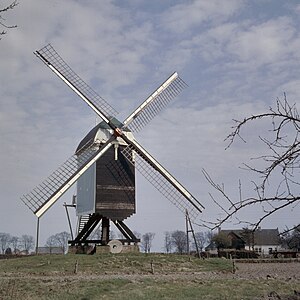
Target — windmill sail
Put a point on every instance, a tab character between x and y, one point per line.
161	179
155	103
55	62
41	198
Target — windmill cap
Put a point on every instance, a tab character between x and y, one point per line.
90	137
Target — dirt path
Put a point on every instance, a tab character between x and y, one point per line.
268	270
283	271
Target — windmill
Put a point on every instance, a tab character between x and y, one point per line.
105	161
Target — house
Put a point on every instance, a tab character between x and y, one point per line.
262	241
266	241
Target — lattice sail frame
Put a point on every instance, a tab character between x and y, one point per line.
45	194
163	181
156	102
50	57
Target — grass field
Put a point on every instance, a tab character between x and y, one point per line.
131	276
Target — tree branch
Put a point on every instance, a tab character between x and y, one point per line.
282	160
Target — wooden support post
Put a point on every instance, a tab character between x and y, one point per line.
152	266
76	267
188	220
69	221
105	231
37	236
187	233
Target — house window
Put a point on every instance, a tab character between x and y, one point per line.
270	250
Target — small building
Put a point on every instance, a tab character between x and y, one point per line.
266	241
262	241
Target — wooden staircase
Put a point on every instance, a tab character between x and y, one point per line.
82	220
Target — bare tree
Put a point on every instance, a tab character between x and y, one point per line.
179	241
3	23
146	242
168	242
51	243
27	242
14	241
62	239
201	240
277	184
209	236
4	241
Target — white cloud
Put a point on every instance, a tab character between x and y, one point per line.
263	43
292	89
187	15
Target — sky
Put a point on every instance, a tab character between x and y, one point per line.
236	56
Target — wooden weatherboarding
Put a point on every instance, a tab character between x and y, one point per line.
105	161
